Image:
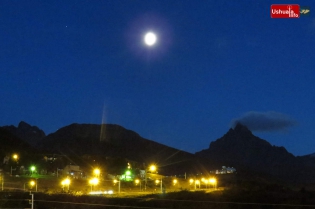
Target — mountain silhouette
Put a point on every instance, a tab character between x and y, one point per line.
11	144
30	134
240	148
115	141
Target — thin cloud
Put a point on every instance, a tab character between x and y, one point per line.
265	121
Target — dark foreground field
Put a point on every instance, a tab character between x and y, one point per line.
272	196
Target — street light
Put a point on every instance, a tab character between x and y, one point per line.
65	182
33	168
97	172
206	182
157	182
116	181
15	158
93	181
33	183
137	181
191	181
197	182
153	168
213	181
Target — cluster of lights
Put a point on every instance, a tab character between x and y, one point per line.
212	181
95	180
100	192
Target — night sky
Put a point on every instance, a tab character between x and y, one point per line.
215	63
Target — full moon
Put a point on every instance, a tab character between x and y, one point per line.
150	39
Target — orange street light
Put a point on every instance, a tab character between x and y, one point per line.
97	172
137	181
213	181
93	181
153	168
65	182
116	181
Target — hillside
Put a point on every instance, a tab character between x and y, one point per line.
11	144
115	141
30	134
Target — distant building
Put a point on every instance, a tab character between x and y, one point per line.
142	174
50	158
230	170
73	171
225	170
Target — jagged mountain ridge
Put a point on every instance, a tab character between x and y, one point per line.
240	148
30	134
9	143
239	144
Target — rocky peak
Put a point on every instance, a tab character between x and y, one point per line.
239	131
242	129
238	137
23	126
26	132
240	147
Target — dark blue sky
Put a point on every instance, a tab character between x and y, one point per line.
215	62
